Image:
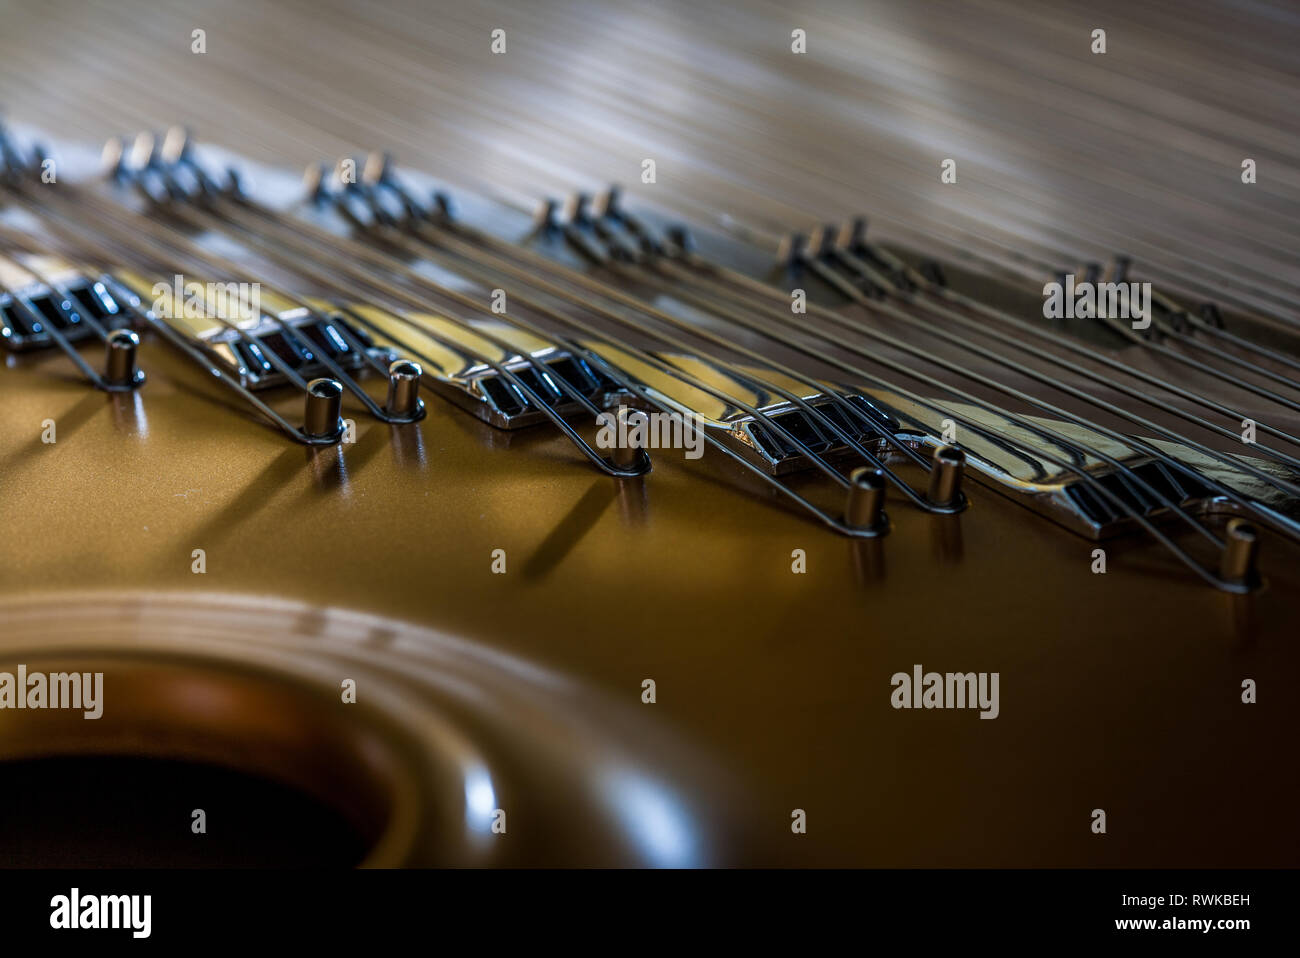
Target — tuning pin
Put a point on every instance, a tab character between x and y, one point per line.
404	403
378	168
827	239
545	219
792	249
143	151
324	403
119	361
315	184
176	146
1240	549
176	157
113	158
823	240
852	234
343	177
626	451
813	247
864	508
575	209
945	477
609	204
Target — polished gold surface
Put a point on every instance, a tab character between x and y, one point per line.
780	681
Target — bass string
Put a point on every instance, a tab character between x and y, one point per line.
614	37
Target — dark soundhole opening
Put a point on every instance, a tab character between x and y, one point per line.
130	812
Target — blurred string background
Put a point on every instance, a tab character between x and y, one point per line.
1062	154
